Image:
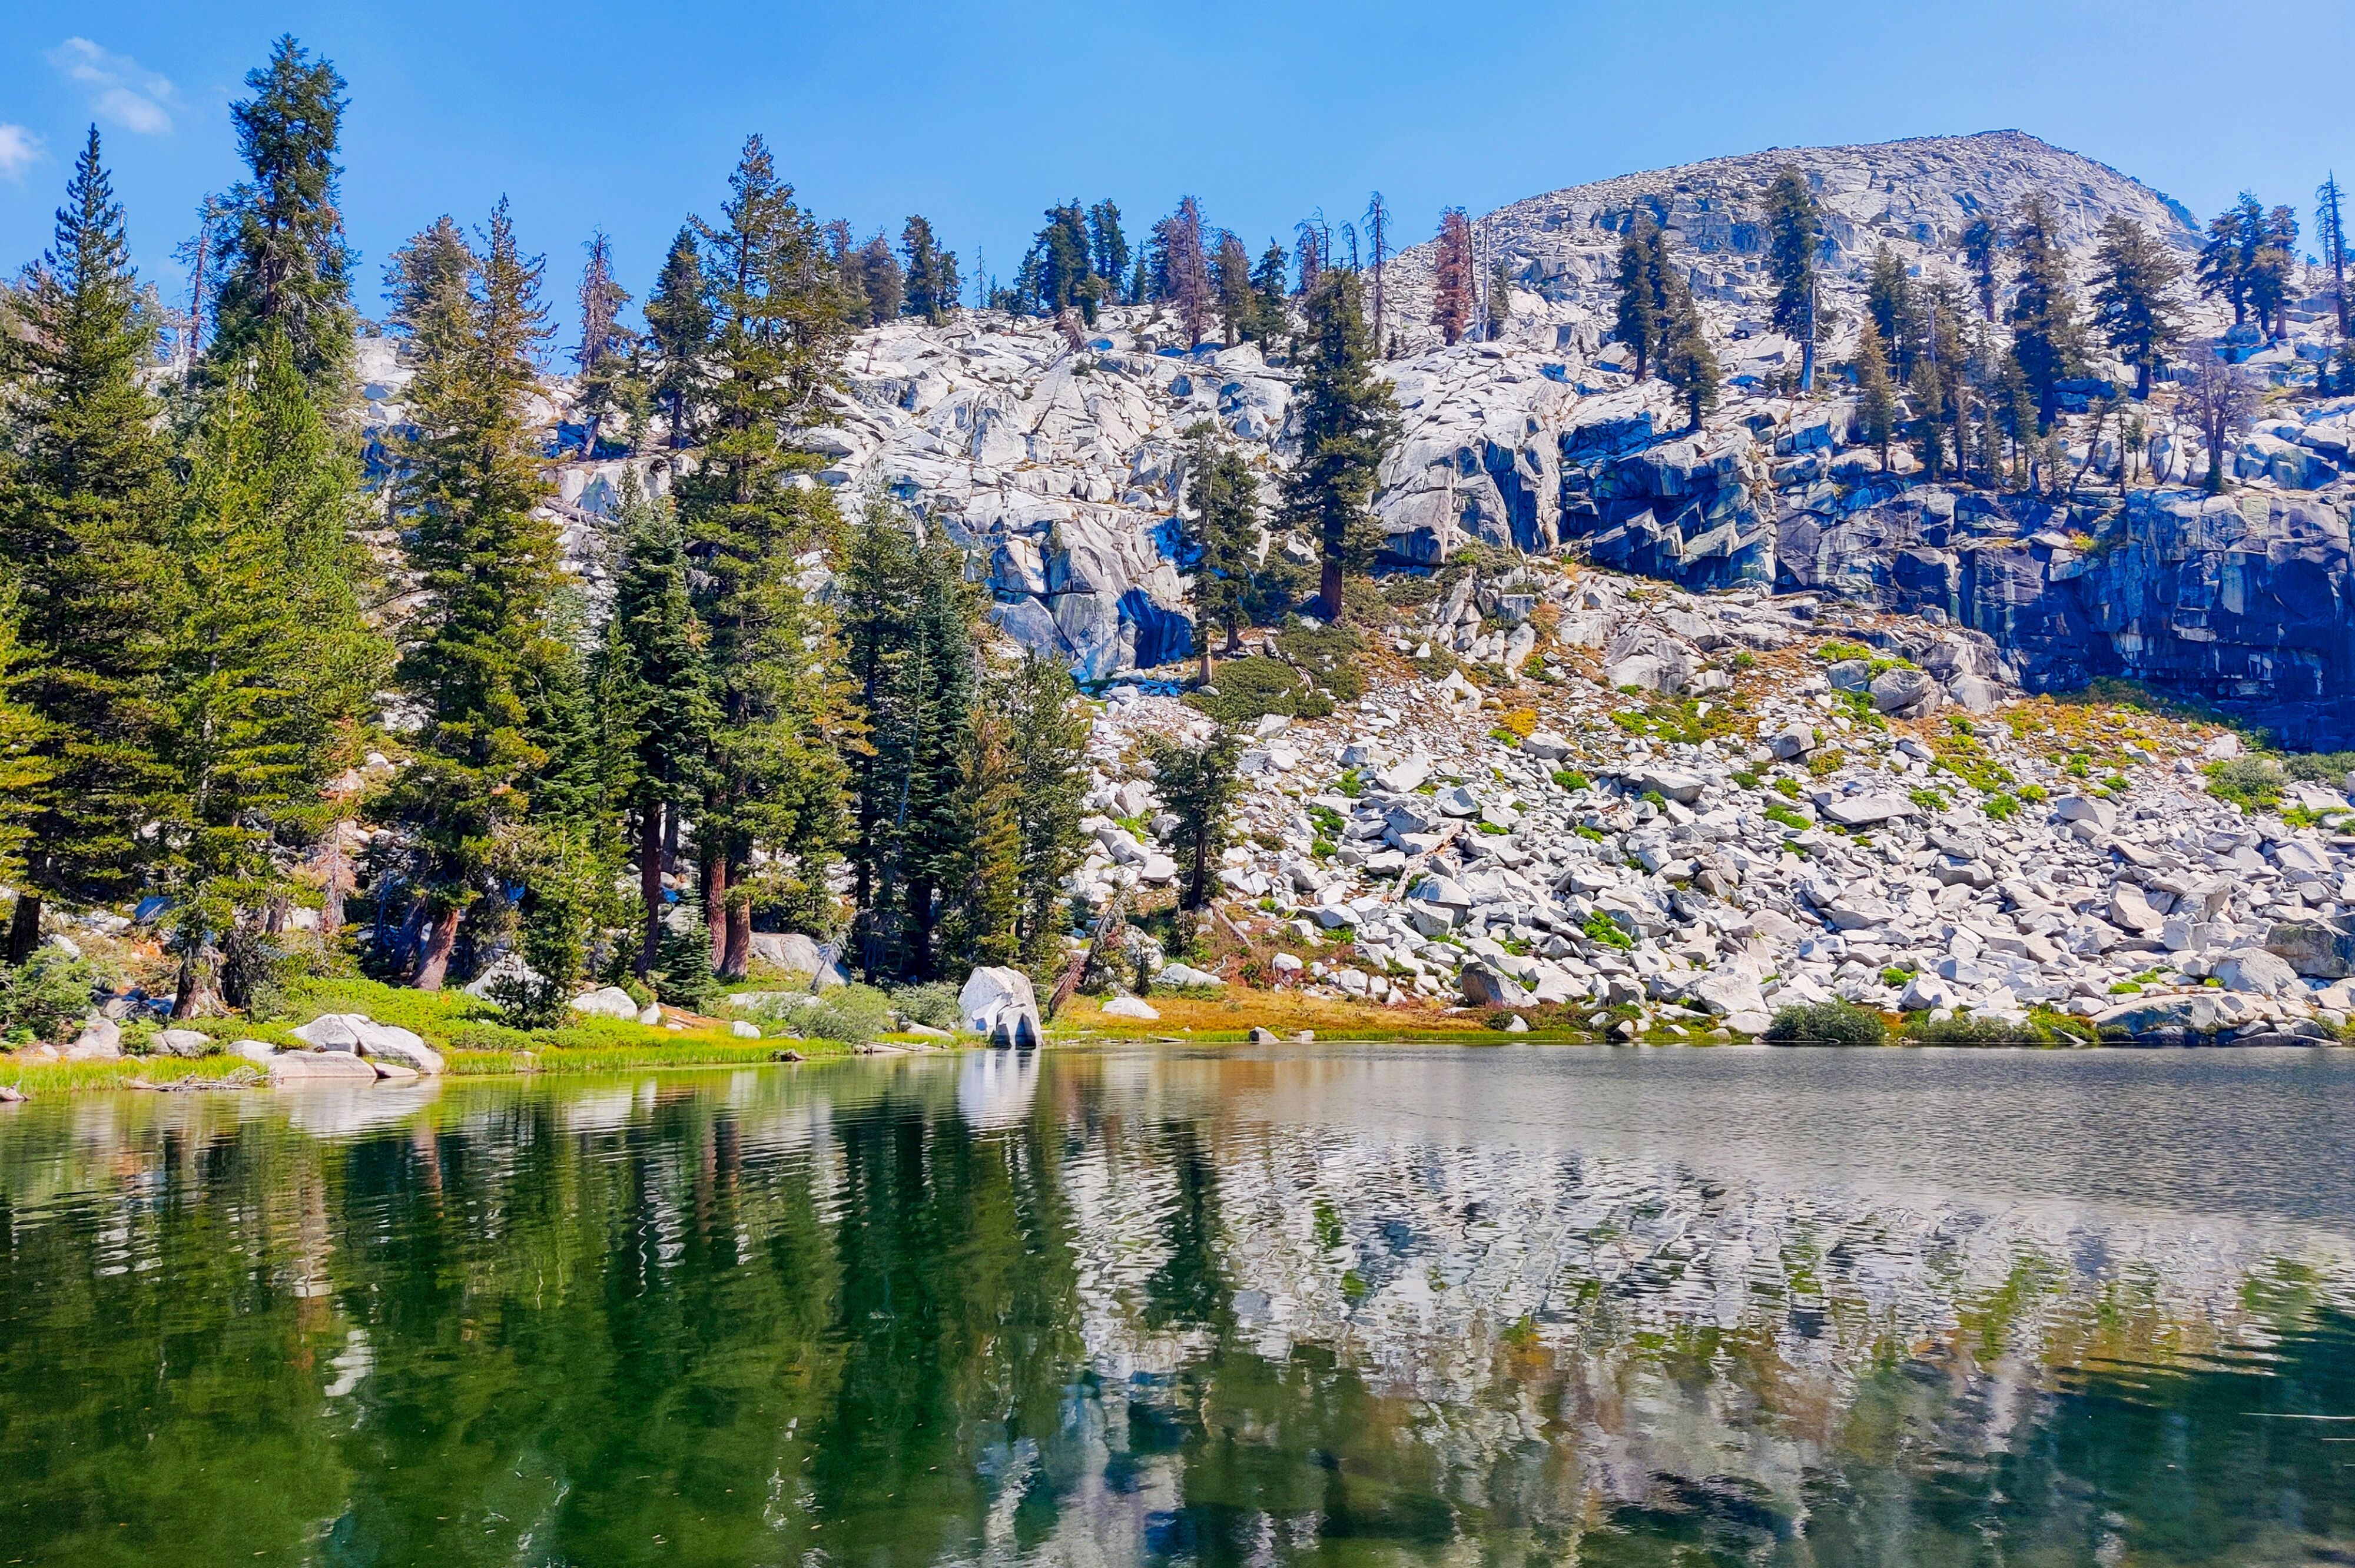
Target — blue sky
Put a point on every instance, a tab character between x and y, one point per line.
592	115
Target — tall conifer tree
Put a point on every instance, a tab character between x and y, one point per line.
659	681
467	484
287	268
1220	528
781	322
271	662
83	525
1796	228
2133	297
1348	421
2044	331
678	338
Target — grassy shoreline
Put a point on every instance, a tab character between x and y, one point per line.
473	1047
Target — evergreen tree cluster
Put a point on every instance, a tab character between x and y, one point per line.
188	653
183	656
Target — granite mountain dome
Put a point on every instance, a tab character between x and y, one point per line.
1915	195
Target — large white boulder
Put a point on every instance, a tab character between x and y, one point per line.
606	1001
100	1040
355	1033
999	1005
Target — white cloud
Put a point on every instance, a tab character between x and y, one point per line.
120	90
19	151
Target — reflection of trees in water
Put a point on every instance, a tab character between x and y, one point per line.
747	1317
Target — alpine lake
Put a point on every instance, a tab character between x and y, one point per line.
1488	1307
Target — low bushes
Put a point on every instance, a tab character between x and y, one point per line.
1826	1024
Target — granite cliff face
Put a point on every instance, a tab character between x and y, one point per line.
1058	467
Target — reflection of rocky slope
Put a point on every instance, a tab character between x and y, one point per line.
1666	1325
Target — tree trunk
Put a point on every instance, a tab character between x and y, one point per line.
433	958
24	927
193	996
650	870
736	954
1328	589
715	901
1206	654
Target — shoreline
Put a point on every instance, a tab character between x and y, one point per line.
226	1074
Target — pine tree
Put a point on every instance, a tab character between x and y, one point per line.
1687	361
1639	323
981	918
606	346
1199	785
1378	238
83	516
1230	281
932	290
467	482
1875	398
2134	302
1222	535
781	327
1060	265
1048	744
428	283
1271	315
567	890
659	686
1795	229
2229	259
1451	276
1929	413
2044	334
2331	233
1500	298
678	337
286	264
1982	242
270	662
880	280
1889	301
909	621
1108	248
1348	421
2272	270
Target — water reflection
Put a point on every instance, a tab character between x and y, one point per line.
1512	1306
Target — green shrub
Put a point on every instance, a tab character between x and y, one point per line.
1570	778
1328	654
1252	687
1746	779
1788	818
1826	1024
853	1014
934	1004
2249	781
44	997
1602	928
2002	808
1788	787
1966	1030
